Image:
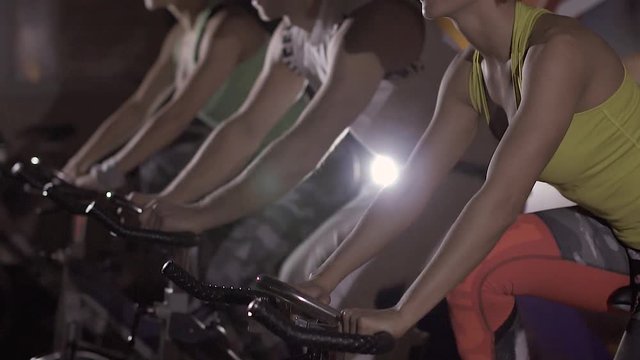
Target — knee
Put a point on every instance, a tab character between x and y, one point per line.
466	293
484	284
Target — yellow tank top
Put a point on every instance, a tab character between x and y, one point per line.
597	164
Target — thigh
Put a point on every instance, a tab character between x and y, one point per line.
585	240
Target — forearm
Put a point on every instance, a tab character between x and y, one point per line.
111	135
155	134
474	234
270	176
395	209
223	155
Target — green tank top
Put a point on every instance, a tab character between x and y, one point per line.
233	92
597	164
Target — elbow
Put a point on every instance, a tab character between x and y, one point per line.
502	206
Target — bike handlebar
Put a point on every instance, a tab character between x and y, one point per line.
46	179
260	308
178	239
35	179
206	292
309	306
66	189
267	315
81	201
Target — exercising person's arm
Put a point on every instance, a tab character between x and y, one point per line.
450	133
229	148
228	38
122	124
533	136
352	82
360	54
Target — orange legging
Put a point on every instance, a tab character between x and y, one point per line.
526	261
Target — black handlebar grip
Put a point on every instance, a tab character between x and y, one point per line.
68	203
271	318
207	292
27	175
66	189
178	239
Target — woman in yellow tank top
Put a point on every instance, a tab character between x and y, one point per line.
573	118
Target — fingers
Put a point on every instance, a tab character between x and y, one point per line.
141	200
325	299
353	324
134	197
363	321
89	182
314	291
150	217
350	322
156	218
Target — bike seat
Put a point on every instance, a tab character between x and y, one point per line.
621	299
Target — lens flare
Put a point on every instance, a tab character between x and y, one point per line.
384	171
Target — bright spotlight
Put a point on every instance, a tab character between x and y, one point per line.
384	171
35	160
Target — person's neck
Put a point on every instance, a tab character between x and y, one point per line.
488	25
188	12
304	14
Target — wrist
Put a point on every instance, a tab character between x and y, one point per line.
406	317
203	218
75	167
323	280
167	195
173	195
108	174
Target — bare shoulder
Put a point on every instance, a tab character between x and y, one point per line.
455	82
565	39
173	36
559	42
391	29
562	49
238	25
238	22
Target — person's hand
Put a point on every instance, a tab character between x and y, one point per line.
369	322
166	216
314	291
70	172
90	182
140	199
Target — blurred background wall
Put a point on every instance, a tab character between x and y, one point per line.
71	62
